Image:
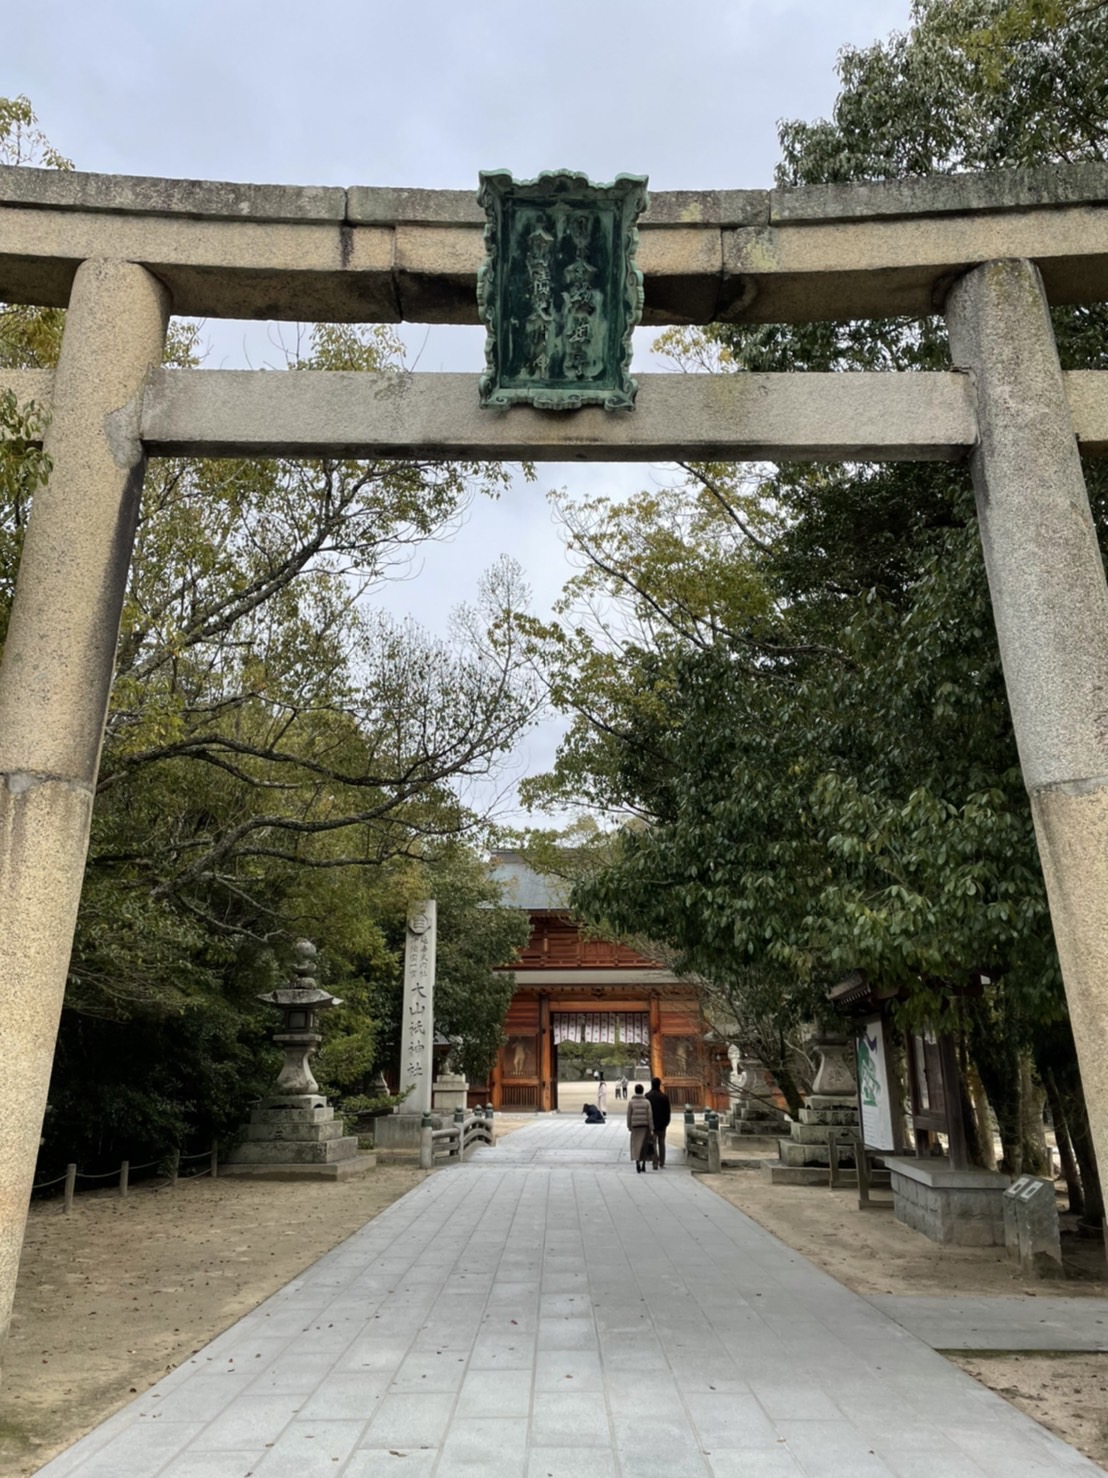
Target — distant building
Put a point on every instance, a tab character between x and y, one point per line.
570	988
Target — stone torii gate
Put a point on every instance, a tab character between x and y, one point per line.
989	251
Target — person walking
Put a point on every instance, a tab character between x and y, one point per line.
623	1087
602	1095
660	1110
640	1121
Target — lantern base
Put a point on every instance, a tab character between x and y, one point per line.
337	1171
295	1131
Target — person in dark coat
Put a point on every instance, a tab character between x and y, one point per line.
592	1114
659	1108
639	1121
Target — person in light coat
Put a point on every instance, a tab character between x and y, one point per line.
602	1095
640	1121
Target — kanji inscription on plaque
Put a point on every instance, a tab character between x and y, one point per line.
559	291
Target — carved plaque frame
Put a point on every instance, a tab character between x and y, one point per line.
559	291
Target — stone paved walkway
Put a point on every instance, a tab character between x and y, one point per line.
544	1312
1016	1322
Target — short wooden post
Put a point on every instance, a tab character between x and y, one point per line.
174	1168
124	1177
833	1161
70	1187
215	1159
863	1173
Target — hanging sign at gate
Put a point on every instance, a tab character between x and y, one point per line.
630	1028
559	291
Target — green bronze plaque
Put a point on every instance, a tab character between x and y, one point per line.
559	291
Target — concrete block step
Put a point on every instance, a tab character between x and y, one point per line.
779	1174
795	1154
339	1170
822	1133
293	1152
829	1116
292	1115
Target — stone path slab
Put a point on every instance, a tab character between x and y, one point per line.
544	1312
1007	1322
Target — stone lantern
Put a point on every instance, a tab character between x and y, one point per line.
301	1001
293	1132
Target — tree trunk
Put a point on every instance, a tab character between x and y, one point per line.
1070	1172
982	1118
1056	1055
1082	1140
1035	1156
790	1090
996	1057
1002	1084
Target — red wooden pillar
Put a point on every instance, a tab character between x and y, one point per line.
655	1037
546	1055
494	1087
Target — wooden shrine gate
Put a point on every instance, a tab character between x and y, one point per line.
671	1043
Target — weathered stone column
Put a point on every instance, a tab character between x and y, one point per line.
1050	604
54	686
417	1032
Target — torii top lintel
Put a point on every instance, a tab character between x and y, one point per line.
363	254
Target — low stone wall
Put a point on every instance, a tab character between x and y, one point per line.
401	1131
963	1207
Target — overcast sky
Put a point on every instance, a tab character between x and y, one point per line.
427	93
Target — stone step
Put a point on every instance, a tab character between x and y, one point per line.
283	1133
829	1116
822	1133
796	1154
779	1174
291	1115
338	1170
832	1101
734	1141
293	1152
285	1101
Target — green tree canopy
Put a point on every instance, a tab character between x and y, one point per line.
281	757
789	676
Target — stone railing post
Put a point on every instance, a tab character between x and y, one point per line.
1050	605
426	1144
715	1154
54	687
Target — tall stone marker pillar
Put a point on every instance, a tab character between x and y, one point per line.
1050	604
417	1036
54	687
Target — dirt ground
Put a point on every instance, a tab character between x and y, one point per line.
872	1253
116	1295
120	1292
